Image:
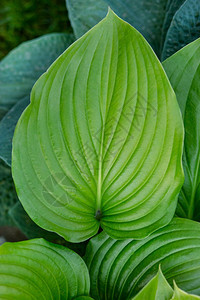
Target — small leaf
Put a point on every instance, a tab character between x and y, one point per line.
183	70
184	28
7	127
20	69
151	18
101	142
156	289
120	269
181	295
37	269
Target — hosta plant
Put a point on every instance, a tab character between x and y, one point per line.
167	25
99	147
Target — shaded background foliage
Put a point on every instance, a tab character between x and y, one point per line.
23	20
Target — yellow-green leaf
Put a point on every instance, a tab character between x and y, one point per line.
101	142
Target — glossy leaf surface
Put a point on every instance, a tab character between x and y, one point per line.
120	269
101	142
183	70
37	269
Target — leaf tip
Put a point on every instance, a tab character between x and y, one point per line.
111	13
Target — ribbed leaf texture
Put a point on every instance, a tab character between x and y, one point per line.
37	269
101	142
120	269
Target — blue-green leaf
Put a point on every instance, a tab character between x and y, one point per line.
20	69
184	28
152	18
7	127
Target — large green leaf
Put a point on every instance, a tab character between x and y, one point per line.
120	269
23	66
152	18
37	269
183	69
101	142
7	127
184	28
156	289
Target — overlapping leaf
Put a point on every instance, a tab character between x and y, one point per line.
21	219
7	127
151	18
37	269
120	269
156	289
101	142
159	289
183	69
184	28
19	70
181	295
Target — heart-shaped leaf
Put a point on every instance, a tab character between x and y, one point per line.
183	69
152	18
101	142
37	269
156	289
184	28
120	269
20	69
